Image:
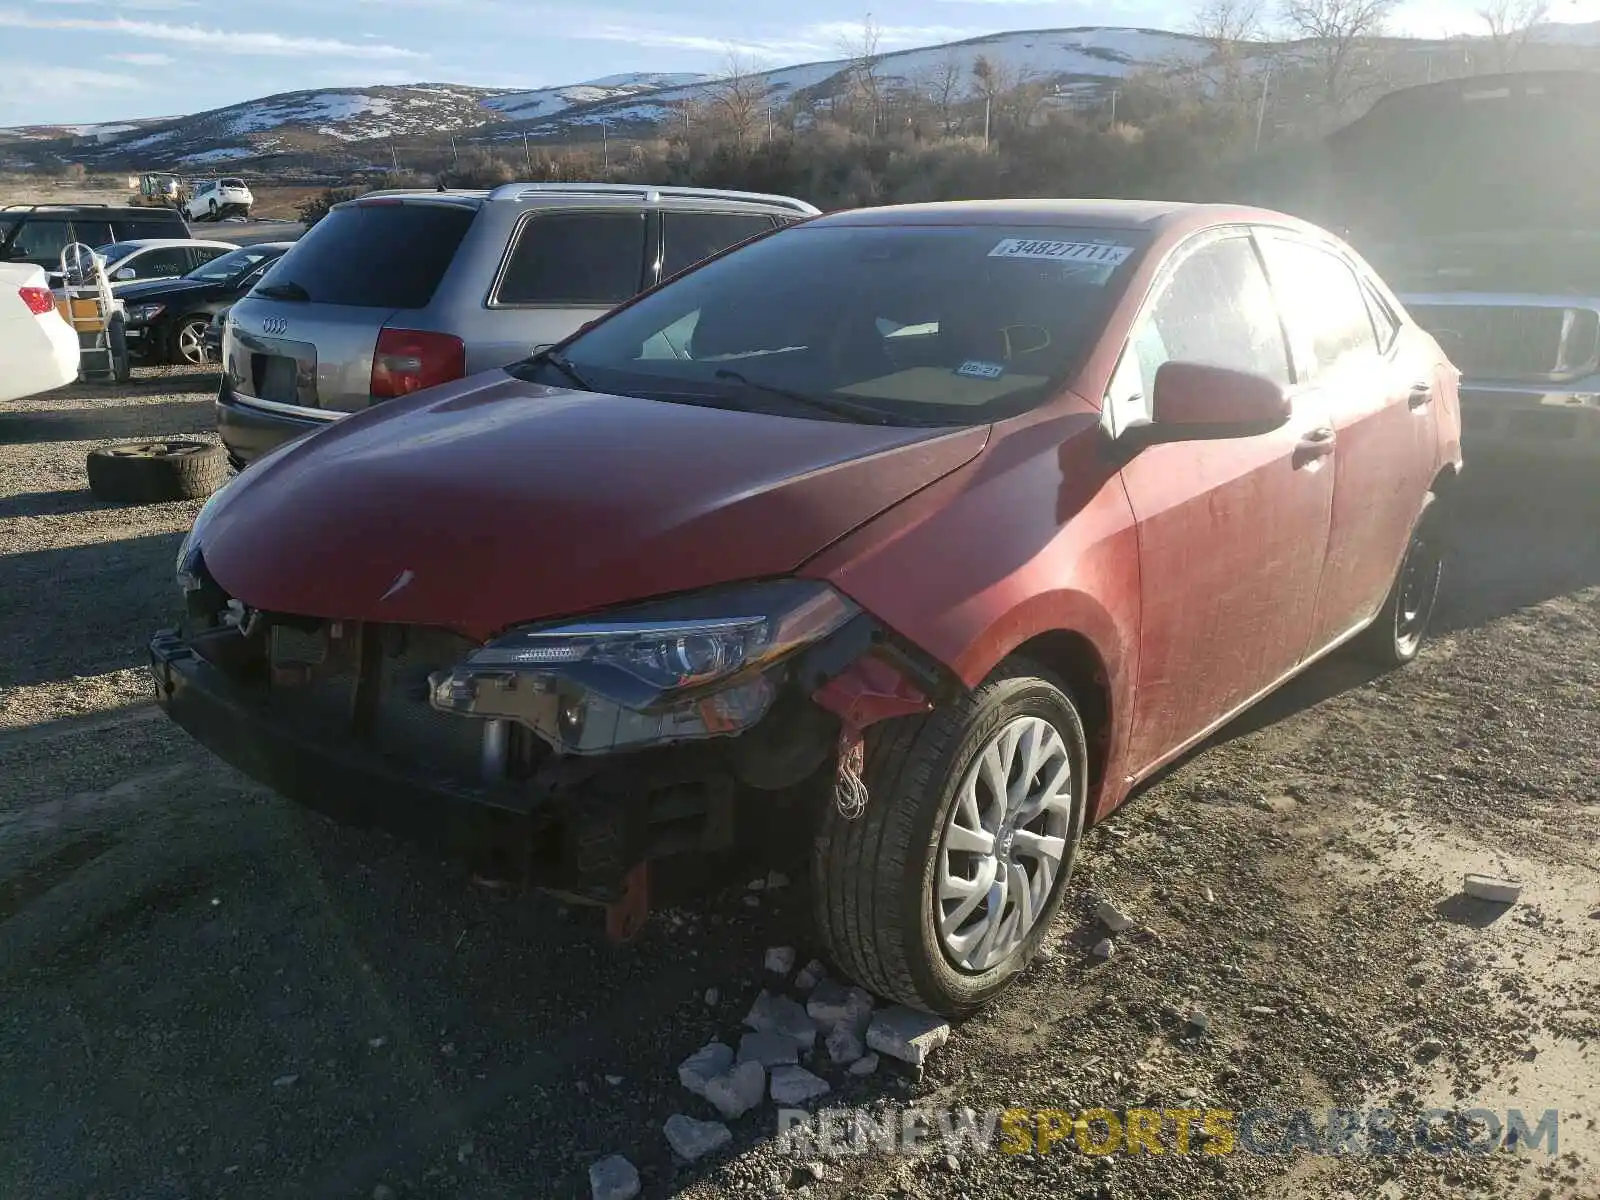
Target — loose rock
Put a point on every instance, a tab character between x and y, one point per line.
1104	948
810	975
704	1065
780	960
780	1014
796	1085
776	880
691	1139
1496	891
832	1004
768	1049
712	997
907	1034
865	1065
1113	918
740	1090
844	1047
613	1178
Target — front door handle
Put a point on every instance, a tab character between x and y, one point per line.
1421	395
1316	444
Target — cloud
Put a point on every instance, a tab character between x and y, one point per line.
139	59
784	49
220	40
22	81
849	33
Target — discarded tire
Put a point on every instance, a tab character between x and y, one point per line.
151	472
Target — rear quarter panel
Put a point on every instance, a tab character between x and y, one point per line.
1035	535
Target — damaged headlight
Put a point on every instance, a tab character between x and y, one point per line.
186	568
693	667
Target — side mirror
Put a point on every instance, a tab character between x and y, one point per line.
127	273
1194	401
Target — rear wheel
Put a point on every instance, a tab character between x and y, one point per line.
1396	636
945	887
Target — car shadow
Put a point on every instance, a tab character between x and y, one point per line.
83	610
54	504
91	423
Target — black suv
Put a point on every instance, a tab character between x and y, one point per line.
37	233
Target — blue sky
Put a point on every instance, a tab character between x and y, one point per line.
98	60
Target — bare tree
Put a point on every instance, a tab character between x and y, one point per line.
739	99
945	84
862	51
1335	32
1511	24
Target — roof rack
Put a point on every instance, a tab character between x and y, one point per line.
648	193
32	207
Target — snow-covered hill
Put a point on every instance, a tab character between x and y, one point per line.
547	102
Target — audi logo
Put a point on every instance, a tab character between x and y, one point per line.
274	325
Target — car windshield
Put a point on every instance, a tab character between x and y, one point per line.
929	324
116	251
232	265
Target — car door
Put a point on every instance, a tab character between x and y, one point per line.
1232	531
161	262
1347	346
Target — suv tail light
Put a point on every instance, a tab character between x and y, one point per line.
39	300
408	360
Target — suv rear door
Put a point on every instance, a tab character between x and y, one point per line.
307	339
690	237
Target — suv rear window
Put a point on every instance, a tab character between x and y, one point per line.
376	255
576	258
157	223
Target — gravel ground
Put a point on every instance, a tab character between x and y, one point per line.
211	993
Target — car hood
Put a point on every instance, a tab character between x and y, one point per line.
493	501
161	289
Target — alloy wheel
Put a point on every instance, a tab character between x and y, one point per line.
1003	844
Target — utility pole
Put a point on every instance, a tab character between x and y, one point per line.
455	154
769	126
988	101
394	156
1113	108
1261	110
605	144
527	154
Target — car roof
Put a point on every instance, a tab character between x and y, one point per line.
1089	214
595	195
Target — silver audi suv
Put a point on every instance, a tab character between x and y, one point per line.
398	291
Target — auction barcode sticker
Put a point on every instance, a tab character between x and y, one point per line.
1102	253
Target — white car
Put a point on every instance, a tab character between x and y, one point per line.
37	346
214	199
144	259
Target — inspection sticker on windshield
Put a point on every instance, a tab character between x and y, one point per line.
977	369
1100	253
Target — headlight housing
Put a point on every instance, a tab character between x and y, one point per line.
698	666
143	314
187	566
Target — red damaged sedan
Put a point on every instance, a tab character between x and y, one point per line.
956	521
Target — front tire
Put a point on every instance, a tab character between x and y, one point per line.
1396	635
945	887
188	346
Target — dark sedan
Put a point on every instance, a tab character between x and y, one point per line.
167	318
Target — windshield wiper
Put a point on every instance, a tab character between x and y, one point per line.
561	363
286	290
864	413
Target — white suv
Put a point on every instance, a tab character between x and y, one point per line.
214	199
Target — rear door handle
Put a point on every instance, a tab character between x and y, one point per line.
1316	444
1421	395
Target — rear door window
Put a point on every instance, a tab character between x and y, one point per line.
1323	305
578	258
199	256
378	255
689	237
